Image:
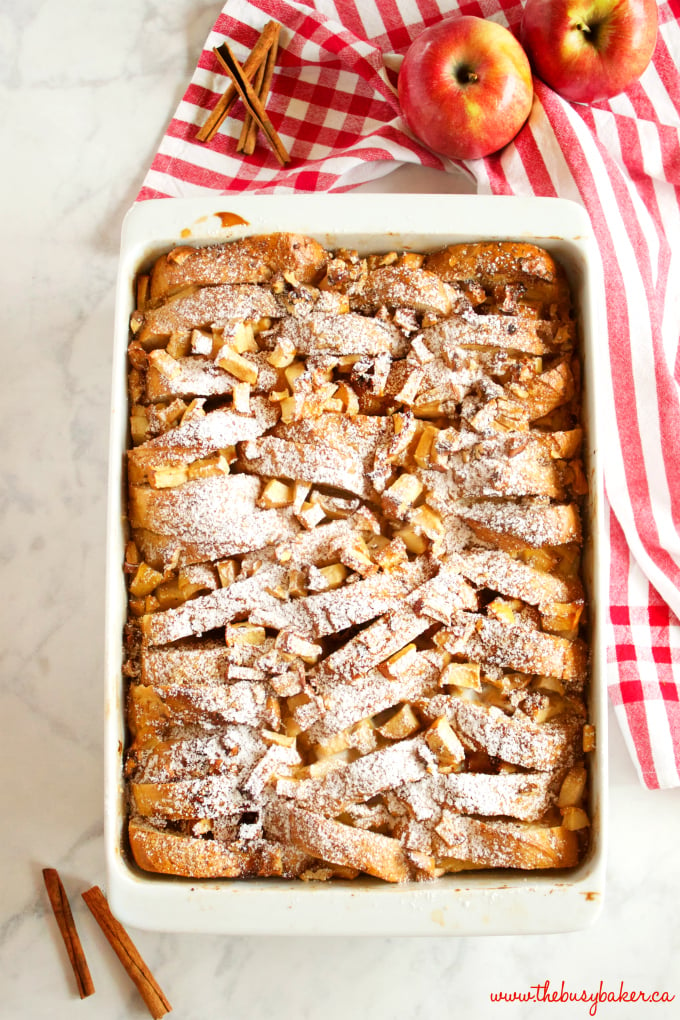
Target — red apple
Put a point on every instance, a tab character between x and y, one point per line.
589	49
465	87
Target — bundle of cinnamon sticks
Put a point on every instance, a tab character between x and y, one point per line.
118	938
251	82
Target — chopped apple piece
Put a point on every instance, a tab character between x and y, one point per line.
355	555
589	741
503	610
332	745
574	818
550	683
297	644
270	737
238	366
573	787
404	723
414	542
540	559
461	674
179	345
310	514
169	595
209	467
388	555
240	336
294	371
241	397
443	742
169	476
142	290
164	363
401	494
145	580
428	521
349	398
559	617
140	425
297	585
291	409
423	450
429	409
244	634
227	571
201	343
300	493
334	575
167	416
283	354
276	494
400	662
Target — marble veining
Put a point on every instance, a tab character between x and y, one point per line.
86	91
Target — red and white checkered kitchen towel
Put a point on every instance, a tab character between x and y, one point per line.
334	104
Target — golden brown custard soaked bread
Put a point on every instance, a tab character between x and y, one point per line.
355	641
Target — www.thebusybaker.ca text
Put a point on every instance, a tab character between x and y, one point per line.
545	994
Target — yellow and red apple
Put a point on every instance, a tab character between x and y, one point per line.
588	50
465	87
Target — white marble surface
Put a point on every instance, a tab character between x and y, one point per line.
87	89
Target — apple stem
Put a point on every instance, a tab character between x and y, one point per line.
591	32
466	76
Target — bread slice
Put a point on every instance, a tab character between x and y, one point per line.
515	739
535	524
205	307
198	438
373	645
492	262
253	259
514	646
500	572
340	335
503	331
499	844
403	286
523	795
333	841
306	462
198	376
200	662
359	780
344	705
176	853
156	713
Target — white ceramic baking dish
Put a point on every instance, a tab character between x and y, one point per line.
462	904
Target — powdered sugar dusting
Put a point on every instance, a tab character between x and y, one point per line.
354	640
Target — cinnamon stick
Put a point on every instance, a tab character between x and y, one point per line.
252	103
127	953
67	927
257	56
249	125
262	92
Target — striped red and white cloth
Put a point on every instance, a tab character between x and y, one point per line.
335	106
